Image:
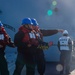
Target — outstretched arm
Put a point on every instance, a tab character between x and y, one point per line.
50	32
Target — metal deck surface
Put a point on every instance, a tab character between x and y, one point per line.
51	67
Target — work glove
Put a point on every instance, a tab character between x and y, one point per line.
43	46
50	43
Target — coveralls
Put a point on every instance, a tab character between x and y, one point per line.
65	48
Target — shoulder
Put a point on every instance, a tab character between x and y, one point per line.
69	38
60	38
19	33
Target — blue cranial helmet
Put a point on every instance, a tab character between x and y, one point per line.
26	21
1	24
34	22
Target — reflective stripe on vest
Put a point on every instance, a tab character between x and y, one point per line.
64	43
32	35
1	37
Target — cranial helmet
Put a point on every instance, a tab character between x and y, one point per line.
34	22
65	32
26	21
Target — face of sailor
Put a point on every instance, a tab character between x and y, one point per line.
28	26
33	27
36	28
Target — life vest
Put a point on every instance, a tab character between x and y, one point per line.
39	35
64	43
29	37
4	38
